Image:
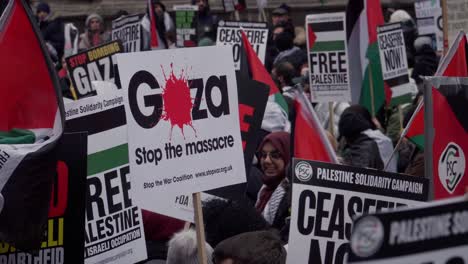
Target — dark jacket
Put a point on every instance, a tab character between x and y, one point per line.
362	152
53	32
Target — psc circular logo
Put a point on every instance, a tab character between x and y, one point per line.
221	23
303	171
451	166
367	237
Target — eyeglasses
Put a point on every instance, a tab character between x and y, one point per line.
276	155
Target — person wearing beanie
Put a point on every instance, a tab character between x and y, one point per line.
183	249
52	30
261	247
94	34
365	145
42	11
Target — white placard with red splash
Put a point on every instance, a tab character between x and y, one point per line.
183	122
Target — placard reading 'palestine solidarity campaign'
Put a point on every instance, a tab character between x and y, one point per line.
328	57
392	51
435	233
429	21
127	29
64	233
327	196
114	225
96	64
229	33
186	22
183	121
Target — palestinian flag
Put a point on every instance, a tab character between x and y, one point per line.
154	35
251	66
362	19
30	126
310	140
450	145
326	32
454	64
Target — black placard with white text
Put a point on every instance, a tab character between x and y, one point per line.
95	64
327	196
436	233
63	242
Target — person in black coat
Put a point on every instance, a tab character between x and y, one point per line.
52	30
360	150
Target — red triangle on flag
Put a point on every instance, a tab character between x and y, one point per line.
153	28
312	36
258	71
310	140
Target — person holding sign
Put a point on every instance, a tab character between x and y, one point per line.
274	156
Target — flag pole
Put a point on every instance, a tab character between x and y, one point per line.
393	153
400	117
428	136
371	84
331	127
200	228
445	25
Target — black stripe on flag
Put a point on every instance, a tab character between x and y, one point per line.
327	26
399	80
98	122
457	99
354	9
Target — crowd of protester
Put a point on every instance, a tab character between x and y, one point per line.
254	228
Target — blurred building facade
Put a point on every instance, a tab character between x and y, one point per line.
77	10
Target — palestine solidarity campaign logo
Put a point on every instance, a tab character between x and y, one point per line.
451	166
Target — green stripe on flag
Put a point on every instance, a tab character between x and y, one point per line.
279	99
17	136
335	45
402	99
377	81
107	159
418	141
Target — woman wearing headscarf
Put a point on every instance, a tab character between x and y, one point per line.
273	200
94	34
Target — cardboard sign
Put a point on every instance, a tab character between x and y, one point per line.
253	97
429	21
182	108
127	29
327	196
457	18
186	20
432	234
64	233
392	51
328	57
229	33
114	227
96	64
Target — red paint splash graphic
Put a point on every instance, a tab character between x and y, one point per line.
177	101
